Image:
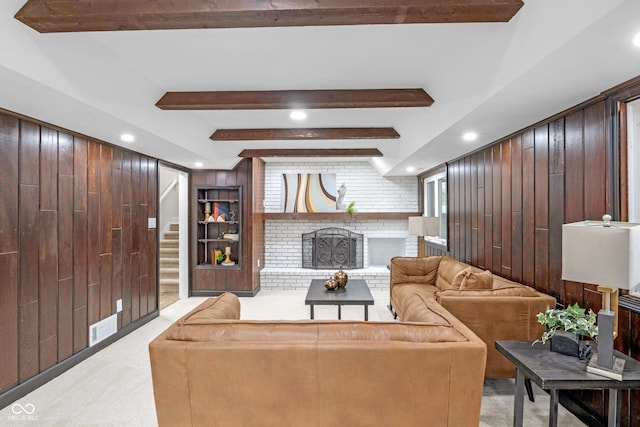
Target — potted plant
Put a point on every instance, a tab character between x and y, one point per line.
219	257
566	327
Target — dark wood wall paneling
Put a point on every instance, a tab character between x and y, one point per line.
507	204
214	281
73	240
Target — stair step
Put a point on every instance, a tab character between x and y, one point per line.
174	226
171	235
169	262
168	243
167	285
169	251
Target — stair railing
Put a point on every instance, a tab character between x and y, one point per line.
167	190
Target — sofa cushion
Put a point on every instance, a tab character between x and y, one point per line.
402	293
414	270
418	309
513	291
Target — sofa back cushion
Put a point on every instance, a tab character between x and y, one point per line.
421	270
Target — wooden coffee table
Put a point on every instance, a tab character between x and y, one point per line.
355	293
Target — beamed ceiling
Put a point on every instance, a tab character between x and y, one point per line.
213	82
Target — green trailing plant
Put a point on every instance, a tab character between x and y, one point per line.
572	319
351	207
219	256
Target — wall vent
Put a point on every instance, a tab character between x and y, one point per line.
103	329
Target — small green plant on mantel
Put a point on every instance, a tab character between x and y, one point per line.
351	207
572	319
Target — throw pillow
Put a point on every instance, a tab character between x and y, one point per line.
477	281
459	278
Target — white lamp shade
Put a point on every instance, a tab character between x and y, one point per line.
424	226
608	256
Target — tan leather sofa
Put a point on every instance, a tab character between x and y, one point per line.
507	311
211	369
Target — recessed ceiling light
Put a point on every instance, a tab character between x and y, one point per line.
411	168
198	164
127	137
298	115
636	40
470	136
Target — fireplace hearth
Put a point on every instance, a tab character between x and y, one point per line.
332	248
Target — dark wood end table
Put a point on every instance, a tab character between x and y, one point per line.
554	371
355	293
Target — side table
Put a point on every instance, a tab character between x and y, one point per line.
554	371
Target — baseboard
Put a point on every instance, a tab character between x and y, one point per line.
44	377
210	293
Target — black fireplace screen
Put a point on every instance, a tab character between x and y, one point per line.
332	248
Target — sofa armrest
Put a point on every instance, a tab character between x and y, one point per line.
494	318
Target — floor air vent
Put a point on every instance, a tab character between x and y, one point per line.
103	329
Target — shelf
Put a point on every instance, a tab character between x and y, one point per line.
218	200
208	266
217	240
357	216
218	222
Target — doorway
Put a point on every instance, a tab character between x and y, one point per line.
173	230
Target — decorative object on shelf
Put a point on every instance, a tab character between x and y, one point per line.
331	284
341	278
351	208
207	211
217	256
232	216
211	219
565	327
220	211
604	253
227	253
342	190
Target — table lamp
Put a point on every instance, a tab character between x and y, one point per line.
423	226
605	253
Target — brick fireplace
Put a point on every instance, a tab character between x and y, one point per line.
381	238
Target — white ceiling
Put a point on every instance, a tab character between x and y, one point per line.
494	79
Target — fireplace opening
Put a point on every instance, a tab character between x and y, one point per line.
332	248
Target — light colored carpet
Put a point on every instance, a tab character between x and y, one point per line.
113	387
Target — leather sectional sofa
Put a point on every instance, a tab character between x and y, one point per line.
495	309
212	369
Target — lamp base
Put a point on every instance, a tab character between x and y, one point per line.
614	373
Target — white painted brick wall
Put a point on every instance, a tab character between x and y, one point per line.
371	191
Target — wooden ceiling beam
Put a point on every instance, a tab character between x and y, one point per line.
292	99
48	16
291	134
321	152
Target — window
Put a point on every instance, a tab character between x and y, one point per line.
435	203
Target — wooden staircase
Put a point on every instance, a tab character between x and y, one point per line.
169	271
